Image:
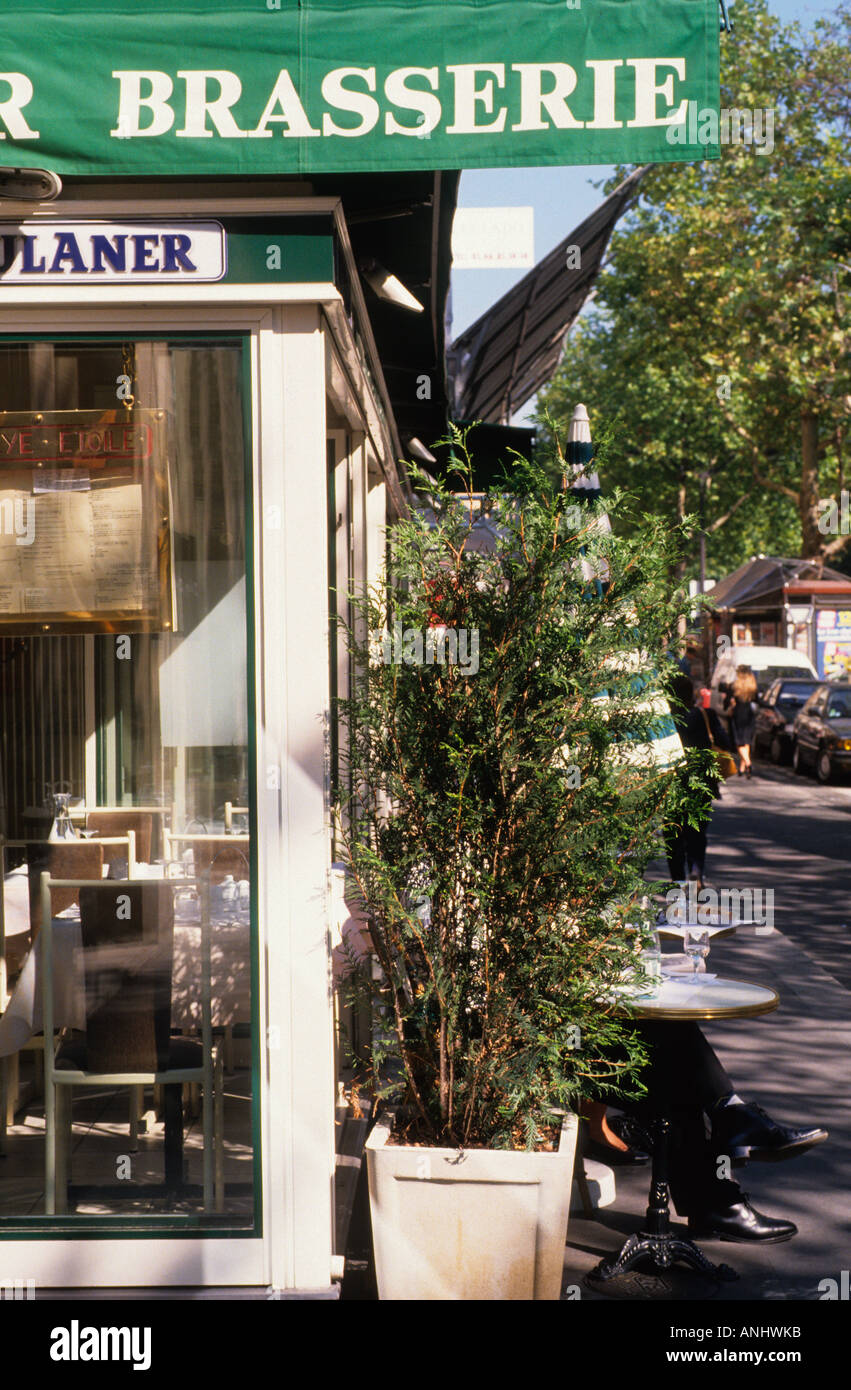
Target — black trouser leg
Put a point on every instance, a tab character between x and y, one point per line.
696	849
675	850
684	1079
173	1115
694	1168
684	1068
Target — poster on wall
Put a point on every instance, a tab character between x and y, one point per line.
833	643
85	536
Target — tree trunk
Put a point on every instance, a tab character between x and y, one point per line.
682	621
812	540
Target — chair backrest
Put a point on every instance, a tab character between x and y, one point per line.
118	823
215	855
230	812
81	859
128	940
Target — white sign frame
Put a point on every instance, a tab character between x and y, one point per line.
91	251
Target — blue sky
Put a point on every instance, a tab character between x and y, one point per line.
561	198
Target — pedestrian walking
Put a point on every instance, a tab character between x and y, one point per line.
698	727
740	704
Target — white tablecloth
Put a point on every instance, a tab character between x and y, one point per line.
23	1017
16	917
230	992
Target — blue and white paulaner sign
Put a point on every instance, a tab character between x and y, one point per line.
33	253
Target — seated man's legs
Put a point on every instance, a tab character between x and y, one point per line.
685	1081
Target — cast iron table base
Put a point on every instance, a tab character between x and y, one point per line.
657	1241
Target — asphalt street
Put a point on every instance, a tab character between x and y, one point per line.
791	834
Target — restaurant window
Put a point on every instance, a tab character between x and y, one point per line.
126	766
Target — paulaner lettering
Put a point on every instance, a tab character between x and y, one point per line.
73	253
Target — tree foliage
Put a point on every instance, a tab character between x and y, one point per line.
502	818
719	338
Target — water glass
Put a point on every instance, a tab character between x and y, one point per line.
696	944
651	964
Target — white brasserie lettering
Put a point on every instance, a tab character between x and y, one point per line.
199	105
534	100
345	99
476	99
11	110
292	113
398	92
131	101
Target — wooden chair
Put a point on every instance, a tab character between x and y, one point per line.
127	930
218	855
120	822
66	859
161	819
230	812
73	860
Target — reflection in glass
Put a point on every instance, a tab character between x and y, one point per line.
144	738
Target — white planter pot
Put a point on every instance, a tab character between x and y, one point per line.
483	1224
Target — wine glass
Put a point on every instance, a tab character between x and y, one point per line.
187	904
696	944
62	826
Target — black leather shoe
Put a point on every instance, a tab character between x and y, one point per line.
615	1158
632	1132
747	1132
743	1223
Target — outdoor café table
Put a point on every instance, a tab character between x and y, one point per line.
673	931
683	1000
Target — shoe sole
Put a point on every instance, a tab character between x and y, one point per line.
742	1240
615	1158
754	1155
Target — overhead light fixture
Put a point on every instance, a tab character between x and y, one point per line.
29	185
388	287
419	451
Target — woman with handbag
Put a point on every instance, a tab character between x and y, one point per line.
698	727
739	703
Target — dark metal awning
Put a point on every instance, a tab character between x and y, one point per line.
762	582
509	353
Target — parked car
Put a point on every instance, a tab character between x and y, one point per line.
767	663
822	731
778	709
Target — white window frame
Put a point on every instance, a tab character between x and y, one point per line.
288	327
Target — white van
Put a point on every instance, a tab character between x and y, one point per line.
767	664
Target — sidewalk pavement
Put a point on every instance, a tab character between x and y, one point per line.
796	1062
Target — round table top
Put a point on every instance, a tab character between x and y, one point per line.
674	932
684	999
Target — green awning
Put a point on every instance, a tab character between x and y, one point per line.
93	87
